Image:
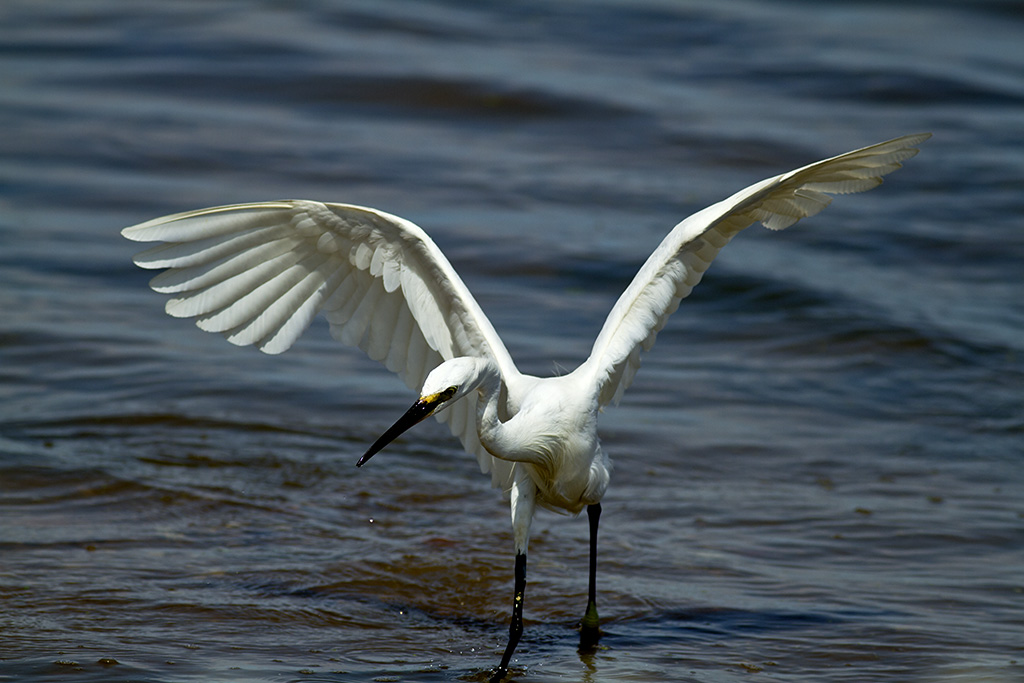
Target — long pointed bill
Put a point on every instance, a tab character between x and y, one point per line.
420	410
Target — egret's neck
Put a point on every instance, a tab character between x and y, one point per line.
491	417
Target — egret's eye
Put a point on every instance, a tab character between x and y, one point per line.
448	393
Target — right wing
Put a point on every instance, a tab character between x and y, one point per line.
259	273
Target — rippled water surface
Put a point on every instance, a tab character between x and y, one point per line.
819	470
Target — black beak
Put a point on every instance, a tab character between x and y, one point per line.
420	410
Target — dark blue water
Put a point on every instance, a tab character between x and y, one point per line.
819	469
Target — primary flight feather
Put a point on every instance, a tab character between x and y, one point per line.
259	273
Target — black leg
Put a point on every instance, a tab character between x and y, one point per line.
589	631
515	629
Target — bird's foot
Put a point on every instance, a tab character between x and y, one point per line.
499	675
589	638
590	631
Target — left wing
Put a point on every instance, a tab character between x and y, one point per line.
679	262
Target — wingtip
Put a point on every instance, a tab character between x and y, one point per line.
132	232
915	139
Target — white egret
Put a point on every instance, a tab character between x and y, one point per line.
258	273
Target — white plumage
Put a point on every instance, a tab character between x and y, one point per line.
259	273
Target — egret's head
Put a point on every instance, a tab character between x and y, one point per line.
445	384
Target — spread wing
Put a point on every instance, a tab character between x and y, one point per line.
679	262
259	274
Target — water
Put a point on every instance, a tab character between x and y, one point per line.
818	470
